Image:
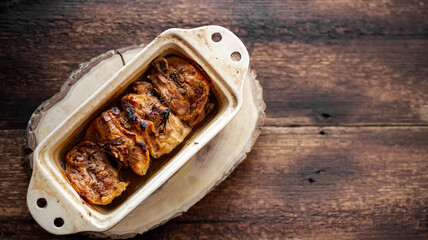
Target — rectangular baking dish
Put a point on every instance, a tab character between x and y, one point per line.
215	49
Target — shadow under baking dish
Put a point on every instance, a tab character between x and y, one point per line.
137	182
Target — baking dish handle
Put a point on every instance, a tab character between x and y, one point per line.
222	49
51	210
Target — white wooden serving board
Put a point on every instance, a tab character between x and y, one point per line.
194	180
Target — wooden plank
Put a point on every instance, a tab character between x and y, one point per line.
258	20
306	182
352	82
326	83
43	42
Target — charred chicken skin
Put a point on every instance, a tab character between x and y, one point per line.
118	138
161	129
178	81
91	174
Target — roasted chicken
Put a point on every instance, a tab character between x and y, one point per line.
178	81
117	136
92	176
153	118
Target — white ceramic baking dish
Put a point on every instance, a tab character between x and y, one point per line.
51	199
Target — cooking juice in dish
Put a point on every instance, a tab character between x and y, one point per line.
141	131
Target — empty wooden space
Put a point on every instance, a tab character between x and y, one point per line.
343	152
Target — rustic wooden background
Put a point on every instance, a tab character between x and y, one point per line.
343	153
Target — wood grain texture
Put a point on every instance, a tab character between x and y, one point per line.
355	82
348	183
358	41
345	82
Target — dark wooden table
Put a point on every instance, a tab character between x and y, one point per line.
344	150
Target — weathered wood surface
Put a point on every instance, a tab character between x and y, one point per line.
355	71
349	182
359	62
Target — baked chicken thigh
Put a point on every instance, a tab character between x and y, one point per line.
92	176
153	118
178	81
116	136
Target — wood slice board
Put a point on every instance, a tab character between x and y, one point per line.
194	180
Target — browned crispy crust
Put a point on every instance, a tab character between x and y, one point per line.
160	128
91	174
118	138
177	79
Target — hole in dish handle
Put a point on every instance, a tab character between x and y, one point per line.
216	37
235	56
